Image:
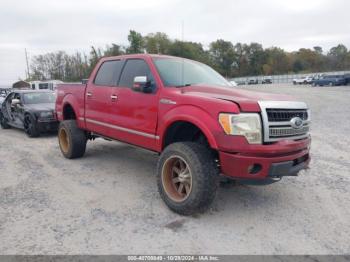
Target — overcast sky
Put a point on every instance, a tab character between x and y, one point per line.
42	26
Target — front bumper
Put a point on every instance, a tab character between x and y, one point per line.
47	125
264	165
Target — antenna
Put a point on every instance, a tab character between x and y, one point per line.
28	73
182	55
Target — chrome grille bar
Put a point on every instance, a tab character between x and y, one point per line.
287	131
276	116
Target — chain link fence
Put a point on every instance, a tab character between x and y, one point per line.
288	78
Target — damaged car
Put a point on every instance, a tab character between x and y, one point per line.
30	110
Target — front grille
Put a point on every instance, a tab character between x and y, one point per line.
276	132
285	115
277	116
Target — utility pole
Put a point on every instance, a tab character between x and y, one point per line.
28	73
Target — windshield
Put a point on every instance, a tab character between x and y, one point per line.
39	98
182	72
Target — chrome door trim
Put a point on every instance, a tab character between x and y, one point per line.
127	130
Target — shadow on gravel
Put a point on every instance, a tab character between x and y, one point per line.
141	164
17	131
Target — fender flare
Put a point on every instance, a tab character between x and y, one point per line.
70	100
198	117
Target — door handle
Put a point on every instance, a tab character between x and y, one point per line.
114	97
88	94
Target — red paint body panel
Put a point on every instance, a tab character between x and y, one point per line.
143	119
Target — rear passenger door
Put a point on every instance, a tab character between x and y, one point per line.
99	99
134	114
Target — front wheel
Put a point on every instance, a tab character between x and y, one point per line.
72	139
187	177
30	127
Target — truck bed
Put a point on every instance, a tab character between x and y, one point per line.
75	92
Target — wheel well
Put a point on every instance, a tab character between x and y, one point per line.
184	131
68	112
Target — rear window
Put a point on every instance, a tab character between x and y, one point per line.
108	73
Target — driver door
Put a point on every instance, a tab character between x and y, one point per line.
134	114
17	111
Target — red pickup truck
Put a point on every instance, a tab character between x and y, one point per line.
202	127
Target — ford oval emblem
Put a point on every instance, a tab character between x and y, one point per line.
296	122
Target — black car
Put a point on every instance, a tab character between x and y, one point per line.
266	80
347	79
253	81
31	110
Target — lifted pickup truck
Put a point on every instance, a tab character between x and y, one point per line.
201	126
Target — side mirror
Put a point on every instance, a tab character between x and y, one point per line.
141	84
15	102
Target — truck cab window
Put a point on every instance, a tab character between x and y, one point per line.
133	68
108	73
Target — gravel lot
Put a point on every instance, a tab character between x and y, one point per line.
107	202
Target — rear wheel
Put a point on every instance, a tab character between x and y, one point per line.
331	84
187	177
30	127
72	139
3	122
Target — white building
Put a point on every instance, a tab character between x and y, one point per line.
49	84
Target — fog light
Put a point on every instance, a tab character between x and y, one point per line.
254	169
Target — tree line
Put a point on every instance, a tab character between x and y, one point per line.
230	60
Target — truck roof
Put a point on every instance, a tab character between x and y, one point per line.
140	56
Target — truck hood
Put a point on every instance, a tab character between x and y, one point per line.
245	99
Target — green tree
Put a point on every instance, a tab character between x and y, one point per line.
338	57
157	43
113	50
189	50
135	43
278	60
223	56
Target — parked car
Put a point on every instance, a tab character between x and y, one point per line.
331	80
266	80
30	110
233	83
347	79
240	82
3	93
253	81
305	80
200	126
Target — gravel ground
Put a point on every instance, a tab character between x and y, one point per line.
107	202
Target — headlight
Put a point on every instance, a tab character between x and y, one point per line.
245	124
48	114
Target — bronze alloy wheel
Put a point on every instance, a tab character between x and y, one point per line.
64	140
177	178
